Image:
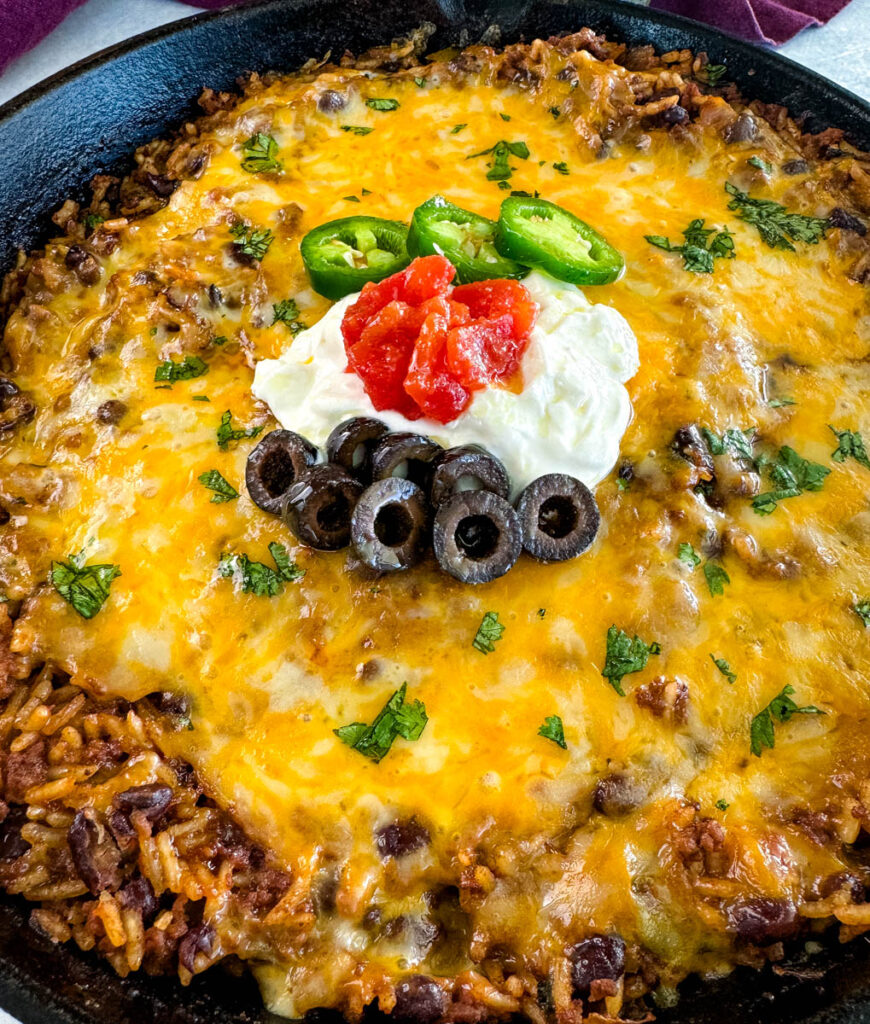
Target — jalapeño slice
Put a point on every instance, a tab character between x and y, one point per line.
342	255
543	235
466	239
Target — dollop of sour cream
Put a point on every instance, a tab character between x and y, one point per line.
569	416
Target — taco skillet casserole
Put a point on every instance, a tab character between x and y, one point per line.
250	381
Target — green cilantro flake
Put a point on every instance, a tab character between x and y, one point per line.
93	221
253	242
260	152
226	432
542	612
775	224
351	199
850	445
505	117
187	369
201	398
224	490
356	129
862	610
762	165
713	73
85	587
499	166
724	668
561	167
688	556
779	403
221	339
396	719
488	632
702	246
287	312
552	729
625	655
780	710
716	578
382	104
457	128
256	577
790	475
555	111
722	805
420	82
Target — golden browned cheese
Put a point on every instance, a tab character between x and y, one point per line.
687	824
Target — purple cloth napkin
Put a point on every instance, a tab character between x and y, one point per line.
24	22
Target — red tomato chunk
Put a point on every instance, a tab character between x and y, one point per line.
421	347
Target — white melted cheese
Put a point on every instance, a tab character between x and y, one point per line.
569	417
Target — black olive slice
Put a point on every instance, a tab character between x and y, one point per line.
465	468
389	527
319	505
274	465
405	455
350	445
476	536
558	516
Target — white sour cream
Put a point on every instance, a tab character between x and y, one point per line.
569	417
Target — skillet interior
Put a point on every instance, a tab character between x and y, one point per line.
91	118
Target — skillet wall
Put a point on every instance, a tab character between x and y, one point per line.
90	119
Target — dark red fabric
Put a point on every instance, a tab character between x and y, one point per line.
23	23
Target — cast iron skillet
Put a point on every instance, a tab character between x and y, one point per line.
90	118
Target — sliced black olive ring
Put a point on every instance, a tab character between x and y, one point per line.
405	455
389	526
319	505
274	466
558	516
467	467
350	445
476	536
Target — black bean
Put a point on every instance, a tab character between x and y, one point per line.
12	843
330	101
762	919
86	268
401	838
170	703
419	1000
200	939
139	895
112	412
743	129
150	800
845	221
674	115
95	853
796	167
598	958
215	297
160	184
616	795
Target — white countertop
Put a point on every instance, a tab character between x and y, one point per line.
839	50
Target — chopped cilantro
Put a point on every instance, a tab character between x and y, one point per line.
221	339
226	432
701	246
688	556
253	242
552	729
862	610
851	445
625	655
366	191
224	490
488	632
722	805
716	578
505	117
499	166
738	442
779	403
780	709
457	128
561	167
724	668
93	221
187	369
201	398
287	312
775	224
526	195
623	484
260	152
351	199
420	82
258	578
791	475
356	129
395	719
542	612
382	104
762	165
555	111
713	73
85	587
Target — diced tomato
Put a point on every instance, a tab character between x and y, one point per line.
488	300
421	348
